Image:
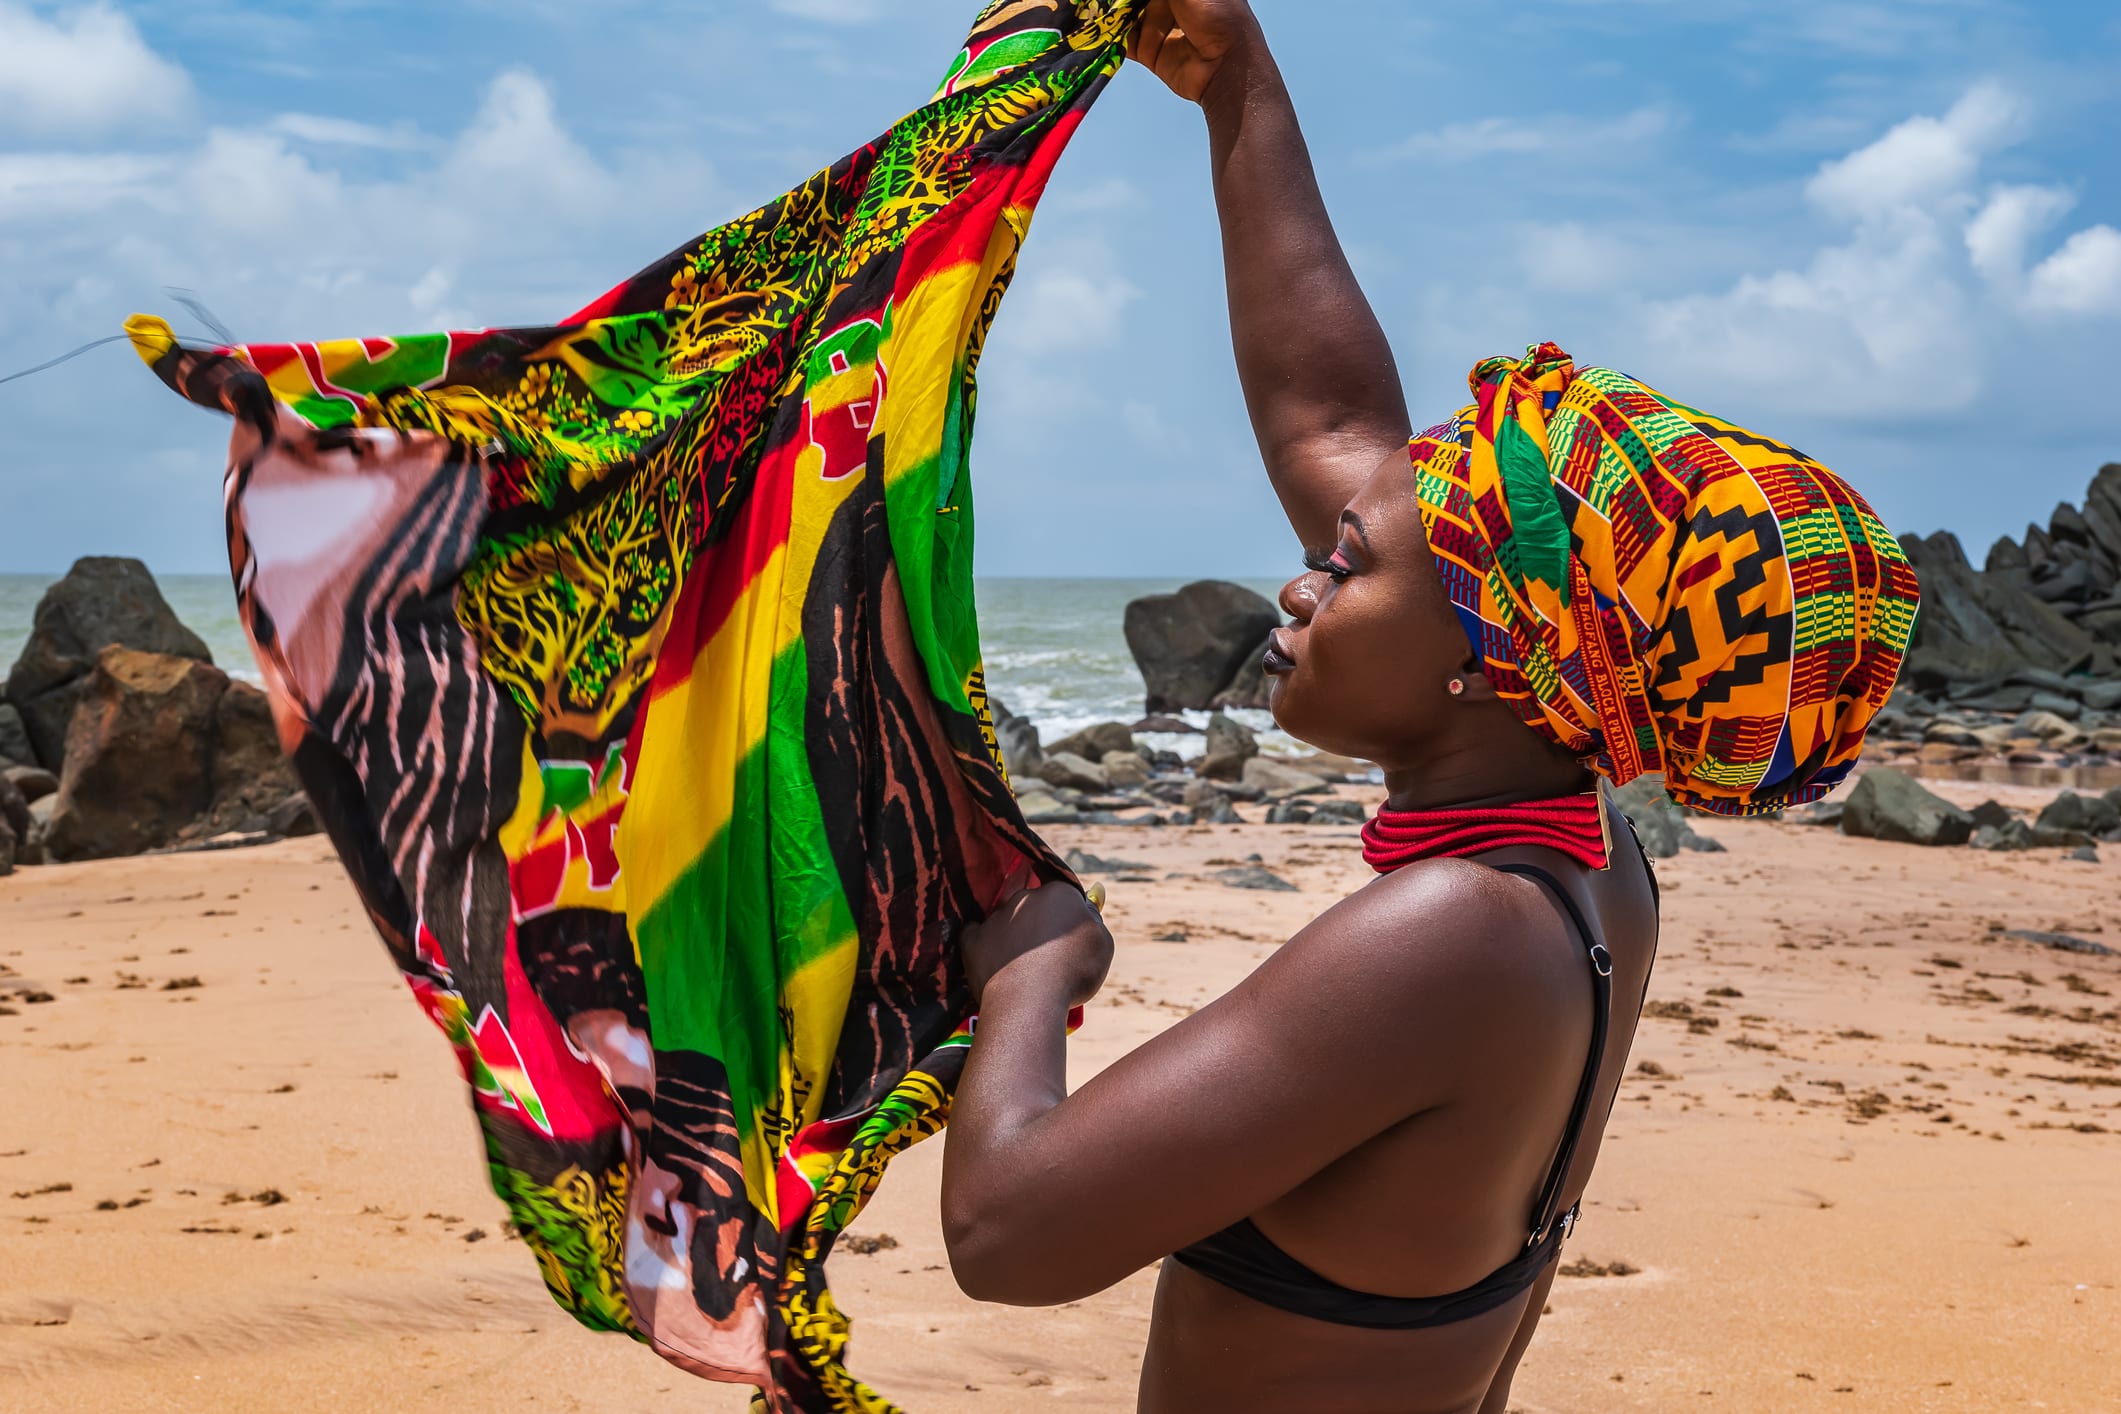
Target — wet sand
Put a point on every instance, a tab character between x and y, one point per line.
1868	1158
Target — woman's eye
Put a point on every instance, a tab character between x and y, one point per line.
1332	567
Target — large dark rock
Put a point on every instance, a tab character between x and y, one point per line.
1230	745
8	846
1660	822
14	812
1189	645
1251	687
251	776
1975	626
1095	743
1889	805
100	602
2072	813
139	755
14	738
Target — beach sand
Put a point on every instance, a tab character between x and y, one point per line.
1876	1169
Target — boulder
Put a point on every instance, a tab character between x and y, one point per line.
1190	645
14	737
2079	814
1249	686
1065	768
99	603
251	776
1018	739
2049	728
1230	745
293	818
2101	696
1889	805
1281	782
1253	876
1340	812
1092	743
1974	626
34	782
1289	812
1660	823
1166	725
8	846
1042	808
1125	770
2012	835
139	755
1992	813
15	813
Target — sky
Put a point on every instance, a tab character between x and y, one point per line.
1884	231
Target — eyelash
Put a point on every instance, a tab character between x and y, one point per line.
1319	564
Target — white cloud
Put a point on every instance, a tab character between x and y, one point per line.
1894	314
85	68
344	132
2083	277
68	184
1514	137
1919	161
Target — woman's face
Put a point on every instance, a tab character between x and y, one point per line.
1364	667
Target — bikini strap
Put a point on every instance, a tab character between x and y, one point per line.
1601	960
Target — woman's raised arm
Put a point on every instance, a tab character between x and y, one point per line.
1318	375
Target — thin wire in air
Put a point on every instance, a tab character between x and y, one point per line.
62	358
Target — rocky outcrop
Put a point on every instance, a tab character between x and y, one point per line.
139	755
1888	805
1251	687
99	603
1095	743
1659	822
1191	645
14	738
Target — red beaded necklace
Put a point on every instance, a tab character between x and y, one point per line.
1573	824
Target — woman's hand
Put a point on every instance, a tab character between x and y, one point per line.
1050	927
1184	42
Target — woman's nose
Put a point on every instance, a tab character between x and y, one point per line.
1299	597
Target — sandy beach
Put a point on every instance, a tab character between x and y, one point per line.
1866	1158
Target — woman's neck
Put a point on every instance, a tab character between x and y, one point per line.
1474	775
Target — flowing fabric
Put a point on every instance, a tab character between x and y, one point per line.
631	664
1656	589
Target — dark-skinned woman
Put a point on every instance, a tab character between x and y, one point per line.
1365	1158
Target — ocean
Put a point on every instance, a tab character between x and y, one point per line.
1055	649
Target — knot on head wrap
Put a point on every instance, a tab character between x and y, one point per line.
1656	589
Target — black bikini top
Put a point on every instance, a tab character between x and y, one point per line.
1244	1259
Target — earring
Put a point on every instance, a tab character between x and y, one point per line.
1456	686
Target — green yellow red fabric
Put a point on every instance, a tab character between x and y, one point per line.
1656	589
632	665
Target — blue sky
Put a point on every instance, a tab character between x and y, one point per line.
1885	232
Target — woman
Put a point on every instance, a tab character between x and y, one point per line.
1366	1156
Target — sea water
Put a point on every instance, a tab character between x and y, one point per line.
1056	650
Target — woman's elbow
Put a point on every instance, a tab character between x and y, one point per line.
997	1259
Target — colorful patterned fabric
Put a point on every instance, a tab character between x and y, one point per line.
1656	589
632	666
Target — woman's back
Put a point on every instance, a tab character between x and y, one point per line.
1440	1201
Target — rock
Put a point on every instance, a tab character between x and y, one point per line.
1340	812
2061	942
2013	834
2047	727
8	845
2079	814
1825	812
2084	854
1289	812
1125	770
2099	696
1081	863
99	603
1018	739
1249	686
34	782
14	738
15	812
1230	745
1888	805
1191	644
1041	808
2108	740
1945	732
1659	821
1973	626
1281	782
1065	768
1992	813
2067	708
1167	726
1092	743
1223	813
139	755
251	775
1945	753
1161	761
1253	876
293	818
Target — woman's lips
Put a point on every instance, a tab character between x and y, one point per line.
1277	659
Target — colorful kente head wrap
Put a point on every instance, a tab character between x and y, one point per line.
1656	589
